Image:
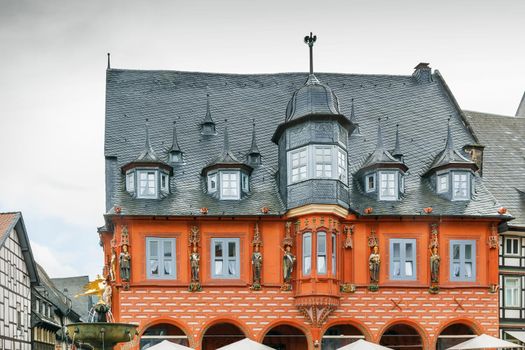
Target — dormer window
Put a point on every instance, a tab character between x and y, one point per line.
130	182
442	183
460	185
229	184
370	183
212	183
388	185
245	182
147	184
176	157
299	164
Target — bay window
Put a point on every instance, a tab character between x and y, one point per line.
317	161
147	184
299	164
307	253
460	185
323	161
388	185
229	185
321	253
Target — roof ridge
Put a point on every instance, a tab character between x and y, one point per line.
493	114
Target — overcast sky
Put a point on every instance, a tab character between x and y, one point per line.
52	79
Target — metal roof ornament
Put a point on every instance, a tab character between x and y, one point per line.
254	155
148	154
353	120
397	148
310	40
208	125
176	154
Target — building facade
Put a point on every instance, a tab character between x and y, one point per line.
324	209
504	170
17	275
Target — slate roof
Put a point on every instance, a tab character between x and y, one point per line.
420	109
71	286
503	159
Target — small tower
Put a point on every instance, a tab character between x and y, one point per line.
254	156
208	125
176	156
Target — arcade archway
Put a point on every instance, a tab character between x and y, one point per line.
286	337
340	335
453	335
402	337
221	334
163	331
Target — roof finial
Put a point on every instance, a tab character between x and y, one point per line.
207	118
397	148
450	143
254	149
175	144
109	61
147	153
310	40
147	134
379	134
226	146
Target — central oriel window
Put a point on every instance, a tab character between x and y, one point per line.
322	251
317	162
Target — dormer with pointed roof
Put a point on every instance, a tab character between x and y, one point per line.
254	155
226	177
452	173
382	174
208	125
147	176
176	156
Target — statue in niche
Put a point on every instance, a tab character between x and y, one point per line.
125	263
288	263
194	263
435	261
106	296
257	266
113	265
374	262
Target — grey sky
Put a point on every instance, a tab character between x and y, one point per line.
52	79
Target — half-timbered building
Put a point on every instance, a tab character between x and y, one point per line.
17	275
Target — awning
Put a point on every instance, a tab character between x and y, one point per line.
517	334
246	344
485	341
167	345
362	344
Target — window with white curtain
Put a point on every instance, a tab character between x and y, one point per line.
160	258
230	185
403	259
307	253
512	291
460	185
147	184
321	253
225	259
323	161
462	260
387	185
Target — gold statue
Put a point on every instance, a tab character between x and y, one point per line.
96	287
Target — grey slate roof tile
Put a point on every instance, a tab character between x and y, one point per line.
503	159
421	110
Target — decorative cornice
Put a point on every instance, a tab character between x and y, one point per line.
318	209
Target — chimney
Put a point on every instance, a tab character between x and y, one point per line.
475	153
422	73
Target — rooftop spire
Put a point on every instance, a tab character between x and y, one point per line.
226	145
254	156
208	125
109	61
379	145
175	143
147	154
310	40
207	118
353	120
397	148
449	146
254	149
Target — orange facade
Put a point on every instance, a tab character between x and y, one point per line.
328	304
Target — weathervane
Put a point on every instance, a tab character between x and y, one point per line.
310	40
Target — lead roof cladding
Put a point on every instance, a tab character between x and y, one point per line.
503	159
421	110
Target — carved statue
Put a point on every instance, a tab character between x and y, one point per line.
435	260
194	263
125	263
257	265
106	297
374	262
288	262
113	265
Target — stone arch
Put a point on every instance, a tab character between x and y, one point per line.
233	330
449	334
345	331
173	330
414	335
287	335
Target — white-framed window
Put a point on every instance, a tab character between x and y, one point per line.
334	254
370	182
462	260
512	291
130	182
245	179
299	164
403	259
230	185
321	253
401	183
342	163
460	185
225	257
160	258
212	182
147	184
512	246
442	183
388	185
323	161
164	182
307	253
